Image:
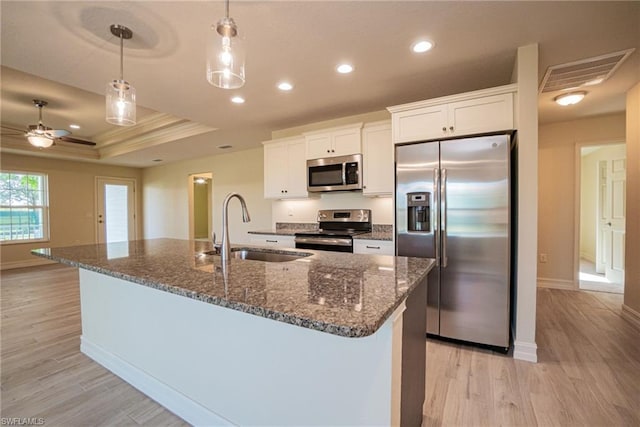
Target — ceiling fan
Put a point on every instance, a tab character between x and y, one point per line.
42	136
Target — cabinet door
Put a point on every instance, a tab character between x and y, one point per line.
346	142
420	124
318	146
297	170
374	247
487	114
377	156
275	173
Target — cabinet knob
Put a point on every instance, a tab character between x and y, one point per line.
328	151
286	191
333	151
444	129
451	128
282	191
364	186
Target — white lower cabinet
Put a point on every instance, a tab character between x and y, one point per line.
373	247
272	240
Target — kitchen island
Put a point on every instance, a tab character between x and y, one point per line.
327	339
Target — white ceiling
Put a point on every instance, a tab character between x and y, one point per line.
63	52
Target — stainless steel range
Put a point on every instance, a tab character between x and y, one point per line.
336	229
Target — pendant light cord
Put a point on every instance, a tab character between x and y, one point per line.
227	8
121	57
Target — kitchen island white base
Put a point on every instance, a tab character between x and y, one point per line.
215	366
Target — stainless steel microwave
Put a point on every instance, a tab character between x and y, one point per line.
335	173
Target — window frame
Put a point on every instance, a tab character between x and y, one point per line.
44	207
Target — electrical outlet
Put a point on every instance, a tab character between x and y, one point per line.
543	257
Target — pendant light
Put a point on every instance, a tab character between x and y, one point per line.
120	95
225	54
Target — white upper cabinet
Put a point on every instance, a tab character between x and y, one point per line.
285	169
470	113
377	158
341	141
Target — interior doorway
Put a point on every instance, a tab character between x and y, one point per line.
200	197
602	217
115	207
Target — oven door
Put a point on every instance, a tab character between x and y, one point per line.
322	243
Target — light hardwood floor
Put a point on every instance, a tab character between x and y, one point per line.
588	372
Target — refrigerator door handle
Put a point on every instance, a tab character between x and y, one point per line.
443	214
435	220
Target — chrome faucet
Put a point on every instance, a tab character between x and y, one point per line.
226	246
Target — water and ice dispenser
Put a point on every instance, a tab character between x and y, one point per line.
419	212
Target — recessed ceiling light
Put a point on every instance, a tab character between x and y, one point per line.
422	46
74	126
285	86
237	100
344	68
569	98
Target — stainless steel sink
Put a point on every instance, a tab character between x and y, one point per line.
265	255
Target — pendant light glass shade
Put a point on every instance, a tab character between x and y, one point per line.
120	96
121	103
225	55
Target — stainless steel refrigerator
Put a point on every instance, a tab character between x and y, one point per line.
453	204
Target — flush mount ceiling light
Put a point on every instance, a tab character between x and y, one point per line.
570	98
120	95
344	68
225	54
422	46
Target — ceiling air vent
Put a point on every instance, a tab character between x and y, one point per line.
586	72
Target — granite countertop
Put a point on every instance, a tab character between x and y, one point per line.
343	294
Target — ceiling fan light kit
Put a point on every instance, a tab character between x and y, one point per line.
120	95
41	136
225	54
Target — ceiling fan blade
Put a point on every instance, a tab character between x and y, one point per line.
57	133
11	128
76	140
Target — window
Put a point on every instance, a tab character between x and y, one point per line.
24	213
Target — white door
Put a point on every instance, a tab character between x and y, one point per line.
612	180
115	210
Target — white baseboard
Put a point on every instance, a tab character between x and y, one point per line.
9	265
569	285
527	351
631	315
190	411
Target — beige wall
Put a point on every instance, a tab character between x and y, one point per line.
557	202
632	249
72	189
166	195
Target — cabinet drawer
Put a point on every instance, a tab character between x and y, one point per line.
376	247
272	240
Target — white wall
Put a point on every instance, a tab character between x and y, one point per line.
307	210
526	75
166	195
